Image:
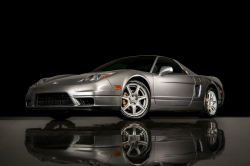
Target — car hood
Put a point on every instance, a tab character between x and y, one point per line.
72	79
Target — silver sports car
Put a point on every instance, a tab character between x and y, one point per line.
130	86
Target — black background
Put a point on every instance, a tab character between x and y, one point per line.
37	49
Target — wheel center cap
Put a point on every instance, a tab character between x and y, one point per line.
133	140
133	99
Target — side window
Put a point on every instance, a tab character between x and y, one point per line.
163	61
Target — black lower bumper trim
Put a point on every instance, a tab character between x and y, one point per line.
95	108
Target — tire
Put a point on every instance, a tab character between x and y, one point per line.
60	114
136	101
210	107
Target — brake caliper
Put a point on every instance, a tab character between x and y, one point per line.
124	101
124	140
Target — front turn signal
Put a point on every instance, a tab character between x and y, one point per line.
117	87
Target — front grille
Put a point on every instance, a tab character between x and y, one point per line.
46	99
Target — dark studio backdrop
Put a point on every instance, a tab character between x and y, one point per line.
39	51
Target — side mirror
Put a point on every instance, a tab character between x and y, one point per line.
165	70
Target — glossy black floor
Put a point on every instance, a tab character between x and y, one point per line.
95	140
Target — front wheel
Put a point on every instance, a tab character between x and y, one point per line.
210	104
60	114
135	101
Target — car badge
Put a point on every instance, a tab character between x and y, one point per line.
55	83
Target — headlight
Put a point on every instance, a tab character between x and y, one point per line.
41	81
94	77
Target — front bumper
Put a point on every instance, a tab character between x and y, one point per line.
101	91
102	103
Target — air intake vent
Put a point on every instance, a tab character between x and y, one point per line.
46	141
84	101
199	147
85	140
197	90
46	99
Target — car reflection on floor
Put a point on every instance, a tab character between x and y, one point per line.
143	142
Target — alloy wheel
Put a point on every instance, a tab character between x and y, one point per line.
135	140
212	133
211	102
134	100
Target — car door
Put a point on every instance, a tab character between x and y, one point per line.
172	89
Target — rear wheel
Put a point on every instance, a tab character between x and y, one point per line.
212	136
60	114
210	104
135	101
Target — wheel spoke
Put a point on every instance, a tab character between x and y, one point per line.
125	143
141	133
129	90
124	108
143	143
138	150
141	97
208	96
134	109
137	89
211	126
213	109
134	130
211	95
130	149
209	109
125	97
139	105
126	133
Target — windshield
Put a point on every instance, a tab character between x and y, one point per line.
142	63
